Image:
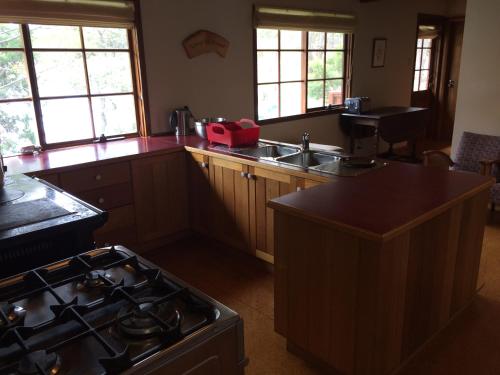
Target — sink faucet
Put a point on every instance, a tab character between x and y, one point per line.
305	141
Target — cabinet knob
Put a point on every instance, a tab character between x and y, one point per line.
244	174
204	165
100	200
98	177
299	188
250	176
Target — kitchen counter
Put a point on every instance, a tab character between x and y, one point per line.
382	203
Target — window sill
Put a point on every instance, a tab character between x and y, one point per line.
324	112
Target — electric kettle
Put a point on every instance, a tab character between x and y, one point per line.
180	120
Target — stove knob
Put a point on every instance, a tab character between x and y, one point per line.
98	177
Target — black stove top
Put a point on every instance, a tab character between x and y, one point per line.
100	312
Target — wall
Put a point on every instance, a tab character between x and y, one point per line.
478	109
212	86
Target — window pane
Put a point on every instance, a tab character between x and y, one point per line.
316	65
334	41
13	76
316	40
45	36
420	43
60	73
334	64
291	39
114	115
66	119
10	36
418	59
427	43
267	39
333	92
424	80
416	81
17	127
291	66
291	99
109	72
268	101
267	67
315	94
104	37
426	58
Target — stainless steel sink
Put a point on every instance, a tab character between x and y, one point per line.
268	151
308	159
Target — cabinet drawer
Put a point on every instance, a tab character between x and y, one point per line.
122	217
109	197
95	177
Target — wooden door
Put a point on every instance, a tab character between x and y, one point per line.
199	193
454	52
160	195
230	202
264	186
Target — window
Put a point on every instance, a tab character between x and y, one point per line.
300	72
422	78
63	85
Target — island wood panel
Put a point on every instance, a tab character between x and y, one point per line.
395	294
160	195
119	229
199	193
51	178
230	203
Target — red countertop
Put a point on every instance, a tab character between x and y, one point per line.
92	153
380	203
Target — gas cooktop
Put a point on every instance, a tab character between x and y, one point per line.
104	311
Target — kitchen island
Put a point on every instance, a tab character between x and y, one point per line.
369	269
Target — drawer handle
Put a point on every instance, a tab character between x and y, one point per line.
98	177
100	200
204	165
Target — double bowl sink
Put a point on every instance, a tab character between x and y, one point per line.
289	155
292	156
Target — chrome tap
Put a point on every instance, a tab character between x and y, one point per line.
305	142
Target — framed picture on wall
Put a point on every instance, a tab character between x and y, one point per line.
378	55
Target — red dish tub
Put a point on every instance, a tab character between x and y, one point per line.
232	134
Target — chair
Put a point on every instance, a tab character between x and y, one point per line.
479	153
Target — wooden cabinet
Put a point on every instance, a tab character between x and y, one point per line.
200	213
160	196
230	202
264	186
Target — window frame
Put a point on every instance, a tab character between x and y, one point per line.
309	112
36	99
420	70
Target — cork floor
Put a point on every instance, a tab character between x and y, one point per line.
470	345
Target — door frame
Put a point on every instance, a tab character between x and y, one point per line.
437	64
446	72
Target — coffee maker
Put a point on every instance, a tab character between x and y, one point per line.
181	120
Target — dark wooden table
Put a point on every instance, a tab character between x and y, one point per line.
392	124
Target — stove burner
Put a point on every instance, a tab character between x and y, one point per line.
12	315
8	194
31	363
141	323
95	279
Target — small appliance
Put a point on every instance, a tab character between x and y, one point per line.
181	121
357	105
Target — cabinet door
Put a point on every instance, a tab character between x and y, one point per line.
230	202
160	195
199	193
264	186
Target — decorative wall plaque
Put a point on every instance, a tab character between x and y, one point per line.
204	41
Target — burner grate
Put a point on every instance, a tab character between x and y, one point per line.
24	341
